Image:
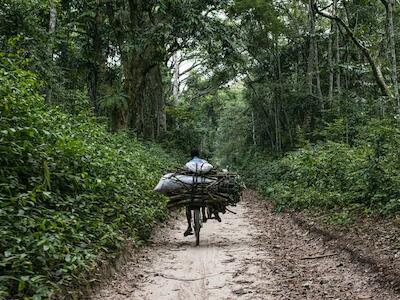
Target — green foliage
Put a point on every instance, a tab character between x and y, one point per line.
260	10
335	176
184	132
234	129
69	190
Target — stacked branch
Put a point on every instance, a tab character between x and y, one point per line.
221	190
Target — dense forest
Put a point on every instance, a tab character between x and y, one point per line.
98	98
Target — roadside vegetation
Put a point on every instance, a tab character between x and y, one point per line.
70	192
334	177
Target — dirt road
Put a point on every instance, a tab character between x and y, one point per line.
255	254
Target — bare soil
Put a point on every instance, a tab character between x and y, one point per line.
255	254
372	241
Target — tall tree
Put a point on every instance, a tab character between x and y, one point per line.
51	31
97	65
389	5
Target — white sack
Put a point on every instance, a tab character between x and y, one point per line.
172	182
198	167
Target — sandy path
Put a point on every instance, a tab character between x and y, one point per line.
254	254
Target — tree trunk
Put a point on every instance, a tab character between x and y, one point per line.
277	103
158	101
119	115
313	61
289	128
311	52
97	64
317	75
118	119
267	130
337	47
175	81
52	29
135	83
389	5
333	56
253	123
133	66
330	61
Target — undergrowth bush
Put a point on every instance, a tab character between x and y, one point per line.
69	191
335	176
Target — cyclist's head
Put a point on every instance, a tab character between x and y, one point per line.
195	152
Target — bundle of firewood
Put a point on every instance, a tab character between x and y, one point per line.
216	190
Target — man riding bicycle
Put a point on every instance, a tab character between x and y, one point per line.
195	155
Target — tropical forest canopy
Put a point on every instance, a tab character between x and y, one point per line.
99	97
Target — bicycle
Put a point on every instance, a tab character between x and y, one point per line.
197	220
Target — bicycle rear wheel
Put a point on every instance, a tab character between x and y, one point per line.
209	212
197	224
